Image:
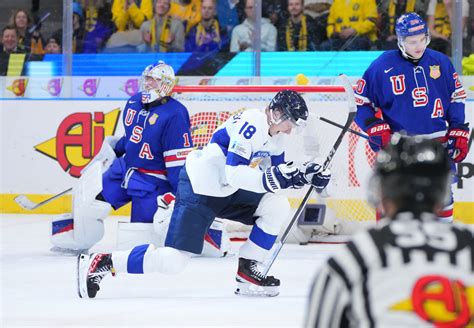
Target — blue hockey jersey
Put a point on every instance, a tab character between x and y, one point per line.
157	139
423	98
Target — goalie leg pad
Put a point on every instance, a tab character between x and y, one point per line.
87	214
216	241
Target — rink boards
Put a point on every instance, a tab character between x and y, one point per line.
45	143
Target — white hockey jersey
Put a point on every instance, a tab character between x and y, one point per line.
236	155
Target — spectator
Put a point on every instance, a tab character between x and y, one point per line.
9	46
439	23
53	45
243	34
30	42
163	33
319	11
317	8
98	26
10	41
351	25
78	27
207	35
298	32
227	14
187	11
130	14
389	10
276	11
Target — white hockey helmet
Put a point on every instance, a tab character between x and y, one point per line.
157	81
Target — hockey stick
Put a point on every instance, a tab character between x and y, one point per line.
28	204
357	133
352	111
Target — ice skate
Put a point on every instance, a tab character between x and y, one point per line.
91	269
251	281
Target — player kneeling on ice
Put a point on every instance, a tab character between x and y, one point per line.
237	176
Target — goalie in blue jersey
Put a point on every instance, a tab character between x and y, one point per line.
237	176
141	167
416	90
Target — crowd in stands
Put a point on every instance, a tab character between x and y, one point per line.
228	26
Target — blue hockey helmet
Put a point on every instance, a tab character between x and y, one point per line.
412	172
410	24
291	105
157	82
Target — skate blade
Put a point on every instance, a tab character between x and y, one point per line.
82	268
251	290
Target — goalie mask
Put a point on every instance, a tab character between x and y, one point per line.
412	172
408	25
157	81
292	107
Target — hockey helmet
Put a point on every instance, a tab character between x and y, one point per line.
291	105
412	172
410	24
157	81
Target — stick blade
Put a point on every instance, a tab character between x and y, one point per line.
346	83
25	202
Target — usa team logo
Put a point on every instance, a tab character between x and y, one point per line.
435	72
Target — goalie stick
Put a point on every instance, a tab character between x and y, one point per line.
28	204
352	111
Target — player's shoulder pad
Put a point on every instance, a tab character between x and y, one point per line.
135	101
176	103
437	57
253	114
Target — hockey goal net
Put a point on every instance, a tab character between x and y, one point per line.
346	207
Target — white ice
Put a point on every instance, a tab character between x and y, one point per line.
38	288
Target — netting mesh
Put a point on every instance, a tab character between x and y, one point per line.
351	166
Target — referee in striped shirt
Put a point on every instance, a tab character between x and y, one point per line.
411	270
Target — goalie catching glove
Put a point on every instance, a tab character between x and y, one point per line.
316	176
458	140
283	176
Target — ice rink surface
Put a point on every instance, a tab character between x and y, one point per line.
38	288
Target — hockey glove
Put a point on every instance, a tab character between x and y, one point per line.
165	208
283	176
379	134
162	217
458	139
315	175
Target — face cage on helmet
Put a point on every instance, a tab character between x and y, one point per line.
165	88
401	44
299	123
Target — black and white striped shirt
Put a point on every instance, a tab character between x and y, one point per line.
404	273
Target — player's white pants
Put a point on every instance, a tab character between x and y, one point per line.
273	210
148	259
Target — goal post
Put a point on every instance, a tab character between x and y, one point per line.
344	204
